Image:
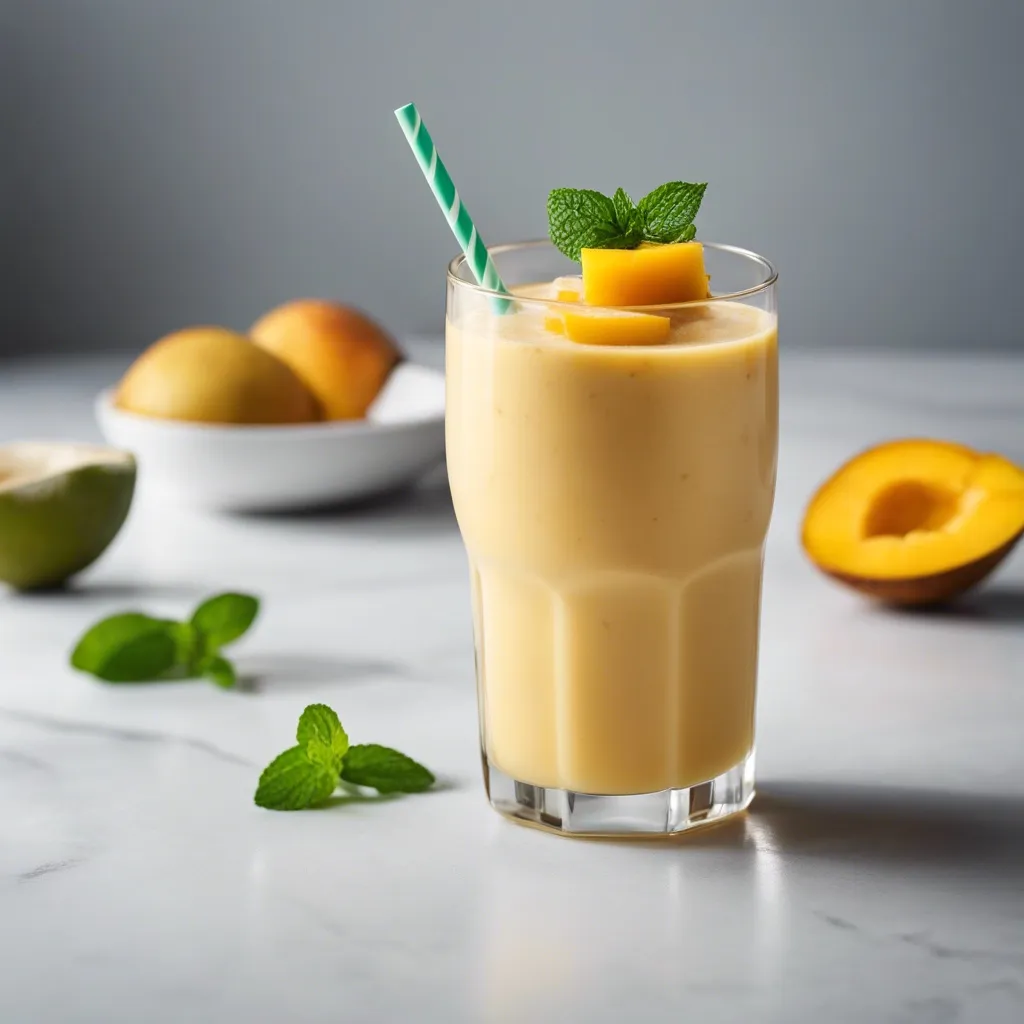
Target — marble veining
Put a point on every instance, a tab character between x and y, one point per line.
49	868
878	877
123	735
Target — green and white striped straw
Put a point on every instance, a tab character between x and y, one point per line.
441	184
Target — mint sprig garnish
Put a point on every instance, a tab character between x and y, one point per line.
584	219
307	774
134	647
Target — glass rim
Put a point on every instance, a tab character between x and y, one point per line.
771	276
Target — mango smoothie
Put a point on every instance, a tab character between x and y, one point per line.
611	432
614	501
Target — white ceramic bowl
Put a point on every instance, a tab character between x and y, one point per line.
271	468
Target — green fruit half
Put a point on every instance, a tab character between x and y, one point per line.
60	506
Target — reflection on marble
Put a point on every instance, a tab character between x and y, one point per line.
878	877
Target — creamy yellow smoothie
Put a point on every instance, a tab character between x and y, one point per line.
614	502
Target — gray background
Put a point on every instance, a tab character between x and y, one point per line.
179	161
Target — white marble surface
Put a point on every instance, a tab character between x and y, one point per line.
879	876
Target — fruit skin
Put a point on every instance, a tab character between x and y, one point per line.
54	527
213	375
921	591
649	275
995	518
342	356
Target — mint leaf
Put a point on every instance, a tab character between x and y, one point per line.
307	774
320	733
628	217
579	218
583	219
127	648
384	769
291	782
142	659
136	648
224	618
218	670
626	211
668	212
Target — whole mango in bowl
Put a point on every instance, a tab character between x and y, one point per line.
916	522
342	356
317	408
213	375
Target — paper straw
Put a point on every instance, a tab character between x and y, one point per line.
441	184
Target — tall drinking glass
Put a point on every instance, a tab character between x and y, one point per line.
614	502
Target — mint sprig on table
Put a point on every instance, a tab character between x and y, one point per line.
137	648
307	774
580	218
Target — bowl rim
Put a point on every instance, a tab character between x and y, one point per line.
104	407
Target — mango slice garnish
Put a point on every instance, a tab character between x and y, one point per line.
649	275
610	327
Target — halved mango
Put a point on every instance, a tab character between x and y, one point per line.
916	521
649	275
610	327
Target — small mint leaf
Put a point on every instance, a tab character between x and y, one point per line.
218	670
224	618
291	782
628	218
127	648
624	208
384	769
579	218
668	212
320	732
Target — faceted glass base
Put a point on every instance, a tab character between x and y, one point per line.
668	812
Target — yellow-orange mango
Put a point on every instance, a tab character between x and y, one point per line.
213	375
916	521
611	327
339	353
649	275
